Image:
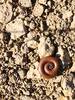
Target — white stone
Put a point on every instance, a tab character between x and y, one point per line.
11	79
8	12
67	92
15	28
31	34
63	83
25	3
36	64
62	98
73	23
49	3
5	13
41	47
18	59
38	10
48	92
2	1
67	14
53	21
43	51
1	36
74	81
32	44
26	98
21	74
33	73
58	79
2	15
42	1
30	73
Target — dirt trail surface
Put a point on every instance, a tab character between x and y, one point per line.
29	31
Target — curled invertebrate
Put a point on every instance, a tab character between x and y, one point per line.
48	67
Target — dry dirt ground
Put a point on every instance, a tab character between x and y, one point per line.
29	31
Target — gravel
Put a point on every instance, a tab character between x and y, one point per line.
29	31
38	10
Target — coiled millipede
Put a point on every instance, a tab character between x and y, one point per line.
49	66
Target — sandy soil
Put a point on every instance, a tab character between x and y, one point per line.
29	31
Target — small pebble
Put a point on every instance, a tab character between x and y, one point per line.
32	44
25	3
43	2
64	83
21	73
5	13
33	73
49	3
45	48
17	29
2	1
26	98
73	22
38	10
18	59
74	81
62	98
11	79
67	92
67	14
